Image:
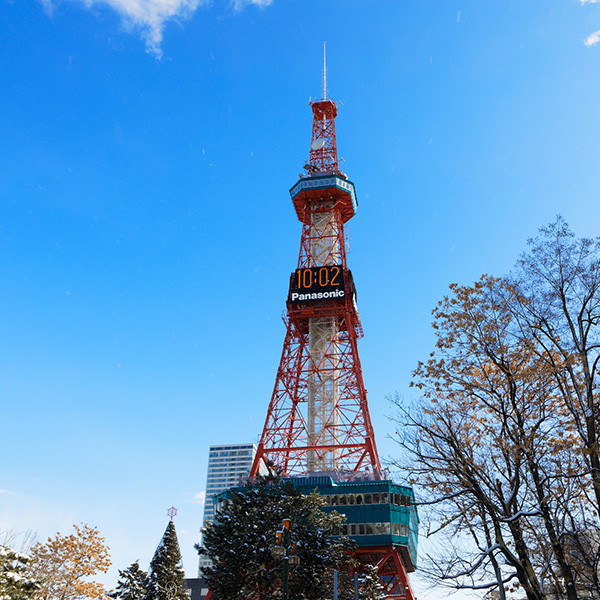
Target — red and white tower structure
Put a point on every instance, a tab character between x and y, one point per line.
318	418
318	421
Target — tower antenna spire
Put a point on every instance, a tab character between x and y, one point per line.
324	70
323	148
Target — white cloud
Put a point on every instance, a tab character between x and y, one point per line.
239	4
48	7
594	38
148	17
199	498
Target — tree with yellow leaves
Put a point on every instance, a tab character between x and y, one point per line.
558	286
65	564
496	453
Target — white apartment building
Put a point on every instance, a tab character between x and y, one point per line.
227	466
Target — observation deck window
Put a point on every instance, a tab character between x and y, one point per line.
360	529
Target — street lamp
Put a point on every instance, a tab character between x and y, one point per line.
285	549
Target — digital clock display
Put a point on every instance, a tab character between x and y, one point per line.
315	284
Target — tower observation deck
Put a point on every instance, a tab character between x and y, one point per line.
318	431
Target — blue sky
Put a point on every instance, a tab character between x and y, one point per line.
147	235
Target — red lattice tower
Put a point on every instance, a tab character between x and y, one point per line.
318	418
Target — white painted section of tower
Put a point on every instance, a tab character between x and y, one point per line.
323	388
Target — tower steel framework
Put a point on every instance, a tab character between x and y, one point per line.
318	419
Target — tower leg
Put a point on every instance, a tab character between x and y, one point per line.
390	568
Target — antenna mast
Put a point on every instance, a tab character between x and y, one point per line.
324	70
323	148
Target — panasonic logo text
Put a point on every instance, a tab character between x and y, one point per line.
317	296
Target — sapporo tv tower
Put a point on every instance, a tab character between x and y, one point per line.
318	431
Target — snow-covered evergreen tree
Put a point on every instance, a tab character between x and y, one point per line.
165	579
16	582
240	540
132	584
370	584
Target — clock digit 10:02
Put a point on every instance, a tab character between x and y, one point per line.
323	277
